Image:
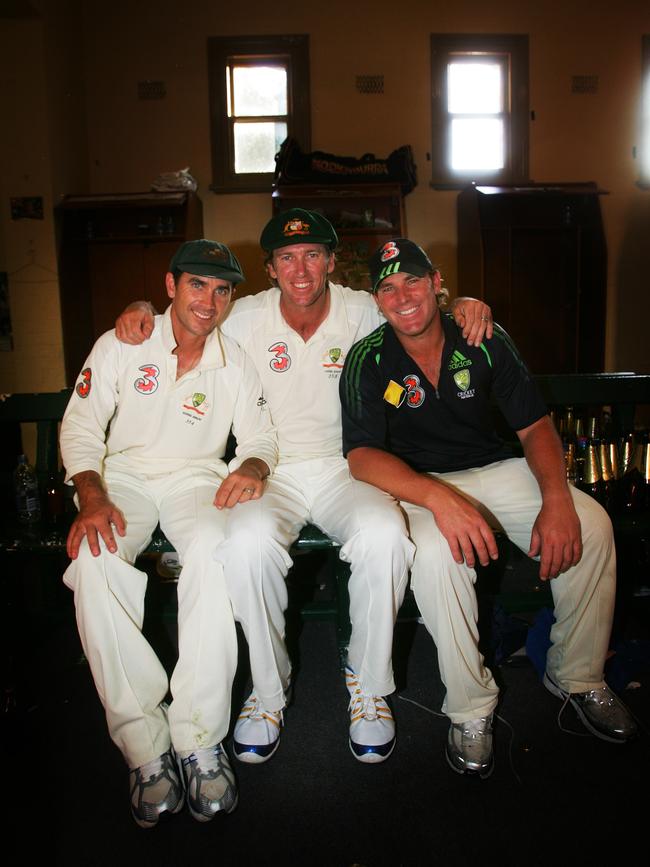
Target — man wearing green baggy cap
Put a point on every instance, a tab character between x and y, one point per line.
298	334
143	441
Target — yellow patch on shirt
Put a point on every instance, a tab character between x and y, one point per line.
394	393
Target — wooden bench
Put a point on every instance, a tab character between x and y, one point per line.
511	582
46	539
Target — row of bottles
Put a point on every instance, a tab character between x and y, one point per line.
28	497
613	470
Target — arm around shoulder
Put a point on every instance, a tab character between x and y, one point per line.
135	323
474	317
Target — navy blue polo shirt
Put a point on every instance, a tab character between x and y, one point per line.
389	404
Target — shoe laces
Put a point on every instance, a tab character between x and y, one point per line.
602	695
150	771
362	705
368	707
560	714
498	716
254	710
477	728
207	763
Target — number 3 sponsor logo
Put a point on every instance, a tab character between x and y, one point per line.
83	388
148	383
414	392
281	360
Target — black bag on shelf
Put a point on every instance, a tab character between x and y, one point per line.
293	166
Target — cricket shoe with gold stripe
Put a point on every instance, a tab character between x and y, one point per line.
257	732
372	727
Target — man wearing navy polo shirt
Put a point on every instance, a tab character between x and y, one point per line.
417	422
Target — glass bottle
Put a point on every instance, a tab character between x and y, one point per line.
592	481
28	504
607	473
570	463
645	470
569	425
631	492
581	448
53	499
614	460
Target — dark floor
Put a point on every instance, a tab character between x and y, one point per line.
553	798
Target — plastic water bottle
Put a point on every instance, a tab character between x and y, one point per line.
28	504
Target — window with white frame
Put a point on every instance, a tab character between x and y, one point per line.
259	96
479	87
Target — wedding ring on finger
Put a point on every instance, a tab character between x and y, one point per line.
249	490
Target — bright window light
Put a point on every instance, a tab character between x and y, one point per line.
645	129
477	144
479	102
474	88
259	90
256	145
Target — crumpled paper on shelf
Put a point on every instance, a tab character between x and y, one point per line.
174	181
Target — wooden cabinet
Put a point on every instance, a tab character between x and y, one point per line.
114	249
537	255
364	216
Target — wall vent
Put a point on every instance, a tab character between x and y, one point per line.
151	90
584	84
370	83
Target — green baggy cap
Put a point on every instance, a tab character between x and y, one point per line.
207	259
298	226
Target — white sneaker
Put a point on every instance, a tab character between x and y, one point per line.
372	727
210	783
155	788
469	747
257	732
168	566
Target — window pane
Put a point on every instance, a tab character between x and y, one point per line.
256	145
474	88
477	143
260	90
645	130
645	156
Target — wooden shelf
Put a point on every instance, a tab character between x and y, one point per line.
355	211
113	249
537	255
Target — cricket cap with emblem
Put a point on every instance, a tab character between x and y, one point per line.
207	259
399	255
298	226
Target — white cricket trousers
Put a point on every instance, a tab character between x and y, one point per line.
109	600
369	526
507	495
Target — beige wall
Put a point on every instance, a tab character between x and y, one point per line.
83	71
27	246
43	152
